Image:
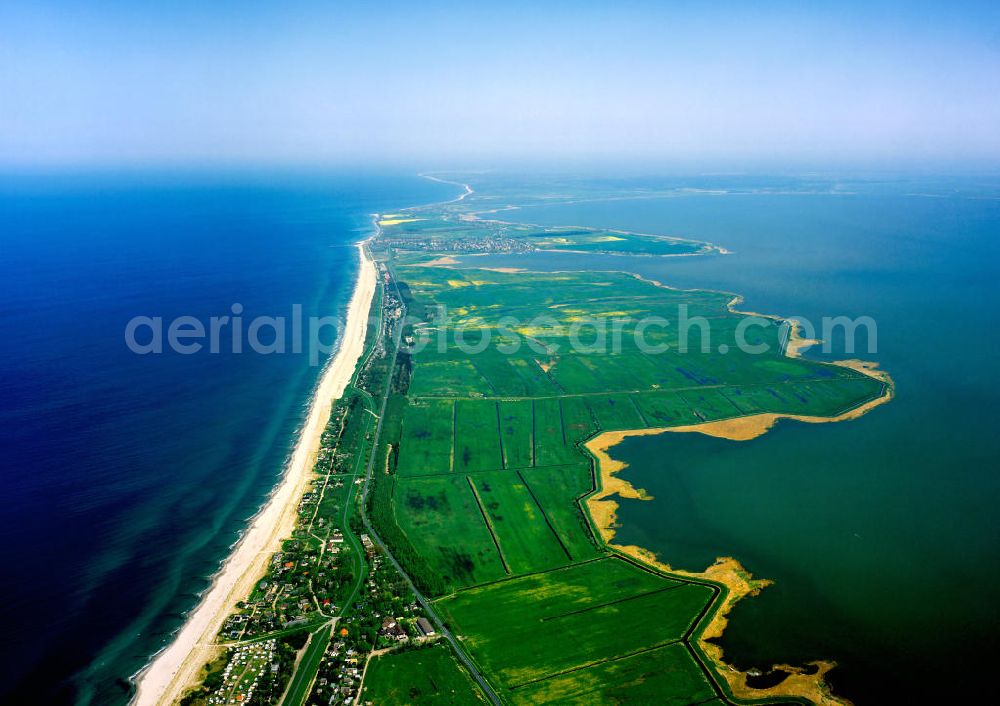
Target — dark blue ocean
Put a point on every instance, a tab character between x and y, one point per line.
126	478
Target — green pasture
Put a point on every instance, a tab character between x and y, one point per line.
517	433
580	615
519	522
556	489
427	675
426	438
552	360
477	436
441	518
665	675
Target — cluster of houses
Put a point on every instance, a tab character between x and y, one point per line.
385	617
496	242
393	630
302	584
314	568
340	685
241	676
392	311
368	545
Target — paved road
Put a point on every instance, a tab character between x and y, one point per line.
424	603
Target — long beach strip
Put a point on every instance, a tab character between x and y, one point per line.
177	667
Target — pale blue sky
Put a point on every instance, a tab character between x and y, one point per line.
455	83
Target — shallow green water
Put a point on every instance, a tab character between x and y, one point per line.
880	533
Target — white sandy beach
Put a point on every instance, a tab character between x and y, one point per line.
177	667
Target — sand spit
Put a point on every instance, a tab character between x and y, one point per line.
177	667
442	261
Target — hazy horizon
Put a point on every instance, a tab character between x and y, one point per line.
446	86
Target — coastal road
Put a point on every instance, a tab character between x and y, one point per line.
421	599
301	682
306	670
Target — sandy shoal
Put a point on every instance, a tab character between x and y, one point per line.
177	667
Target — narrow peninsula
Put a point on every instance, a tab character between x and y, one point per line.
446	526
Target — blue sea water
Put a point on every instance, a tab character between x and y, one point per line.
126	478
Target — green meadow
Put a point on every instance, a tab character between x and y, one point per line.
577	616
426	675
489	442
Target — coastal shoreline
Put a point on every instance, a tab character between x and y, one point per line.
177	666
